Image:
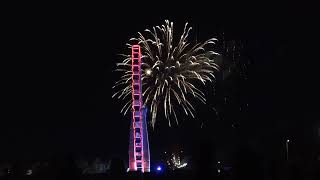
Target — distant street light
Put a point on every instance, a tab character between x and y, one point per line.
287	149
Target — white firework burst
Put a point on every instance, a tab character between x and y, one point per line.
171	72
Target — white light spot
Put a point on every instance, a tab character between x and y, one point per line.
148	72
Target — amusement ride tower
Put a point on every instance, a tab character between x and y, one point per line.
139	154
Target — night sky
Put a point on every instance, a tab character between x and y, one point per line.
58	76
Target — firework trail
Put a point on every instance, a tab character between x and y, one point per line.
172	72
232	97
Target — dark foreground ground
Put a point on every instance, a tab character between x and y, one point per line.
287	173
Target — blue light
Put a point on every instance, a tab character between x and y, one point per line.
159	168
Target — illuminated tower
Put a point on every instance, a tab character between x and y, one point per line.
139	157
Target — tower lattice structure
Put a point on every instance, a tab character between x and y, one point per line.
139	154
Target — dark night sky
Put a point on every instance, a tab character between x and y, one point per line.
57	80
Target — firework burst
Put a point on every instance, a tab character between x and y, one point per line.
171	72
